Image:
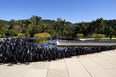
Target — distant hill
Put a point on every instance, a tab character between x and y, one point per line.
111	23
48	21
51	22
5	22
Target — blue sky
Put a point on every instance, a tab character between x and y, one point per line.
70	10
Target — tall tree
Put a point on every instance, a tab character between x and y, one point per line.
36	20
92	28
100	25
57	27
111	32
63	28
11	23
26	24
1	24
82	28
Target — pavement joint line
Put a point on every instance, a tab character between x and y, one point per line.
66	67
95	62
48	69
85	68
101	66
104	68
28	70
47	72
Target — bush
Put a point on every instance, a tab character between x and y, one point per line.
79	35
12	32
26	32
98	35
3	29
41	37
20	35
2	33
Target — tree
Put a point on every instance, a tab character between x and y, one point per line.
59	27
63	28
81	29
36	25
17	28
92	28
111	32
11	23
100	25
26	24
35	30
19	23
12	32
1	24
36	20
26	27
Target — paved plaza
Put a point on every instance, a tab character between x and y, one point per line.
92	65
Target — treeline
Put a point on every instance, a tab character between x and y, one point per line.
59	28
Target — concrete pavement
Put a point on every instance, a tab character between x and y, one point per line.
92	65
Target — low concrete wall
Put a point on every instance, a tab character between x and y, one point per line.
85	43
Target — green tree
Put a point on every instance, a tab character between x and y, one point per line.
63	28
81	29
11	23
111	32
11	32
92	28
100	25
59	27
1	24
36	20
26	29
26	24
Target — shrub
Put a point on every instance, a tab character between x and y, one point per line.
0	35
3	29
26	32
41	37
27	35
20	35
79	35
98	35
12	32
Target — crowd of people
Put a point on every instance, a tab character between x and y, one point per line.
22	50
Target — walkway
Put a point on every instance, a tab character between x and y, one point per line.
92	65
